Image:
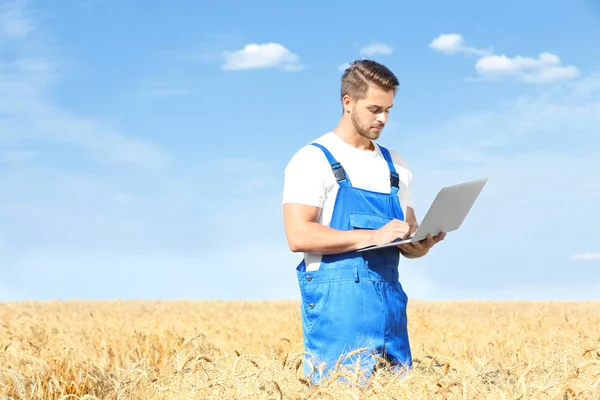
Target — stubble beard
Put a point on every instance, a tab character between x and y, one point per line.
363	131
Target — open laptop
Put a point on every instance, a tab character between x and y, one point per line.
446	214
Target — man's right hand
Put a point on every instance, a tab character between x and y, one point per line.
395	229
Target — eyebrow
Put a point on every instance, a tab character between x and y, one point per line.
376	106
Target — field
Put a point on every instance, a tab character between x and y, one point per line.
252	350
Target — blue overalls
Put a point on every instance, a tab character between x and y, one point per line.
355	300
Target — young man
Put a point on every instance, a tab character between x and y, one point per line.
341	193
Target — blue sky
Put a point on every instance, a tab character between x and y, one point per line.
142	148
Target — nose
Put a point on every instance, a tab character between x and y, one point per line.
382	118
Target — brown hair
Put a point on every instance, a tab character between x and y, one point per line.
361	73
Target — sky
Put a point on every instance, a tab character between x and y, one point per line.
142	148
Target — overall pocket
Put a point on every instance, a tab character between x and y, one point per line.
314	303
368	221
380	258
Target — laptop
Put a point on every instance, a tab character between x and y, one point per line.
446	214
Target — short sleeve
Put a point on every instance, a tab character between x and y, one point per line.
404	192
304	178
406	198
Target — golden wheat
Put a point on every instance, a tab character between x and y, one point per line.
253	350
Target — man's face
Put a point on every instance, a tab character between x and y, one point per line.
370	114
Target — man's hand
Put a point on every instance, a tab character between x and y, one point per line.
395	229
419	249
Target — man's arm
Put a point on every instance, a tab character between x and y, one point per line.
305	234
304	190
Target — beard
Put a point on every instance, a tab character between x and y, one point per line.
364	130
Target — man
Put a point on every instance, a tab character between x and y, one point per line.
341	193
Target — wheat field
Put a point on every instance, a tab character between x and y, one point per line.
253	350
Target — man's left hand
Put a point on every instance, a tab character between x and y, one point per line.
419	249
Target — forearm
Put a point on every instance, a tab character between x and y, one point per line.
313	237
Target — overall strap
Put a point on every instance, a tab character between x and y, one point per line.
394	177
336	167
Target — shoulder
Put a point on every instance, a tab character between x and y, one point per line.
307	177
397	158
400	163
308	158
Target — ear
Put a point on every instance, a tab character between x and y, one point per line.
347	103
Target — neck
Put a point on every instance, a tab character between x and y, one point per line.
346	131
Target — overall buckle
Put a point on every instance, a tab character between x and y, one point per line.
338	171
394	179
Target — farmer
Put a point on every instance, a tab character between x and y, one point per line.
343	192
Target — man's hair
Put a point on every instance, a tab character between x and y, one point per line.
361	73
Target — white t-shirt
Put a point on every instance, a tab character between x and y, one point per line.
309	179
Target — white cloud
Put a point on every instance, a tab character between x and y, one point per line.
546	68
452	43
268	55
376	48
448	43
586	257
14	24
